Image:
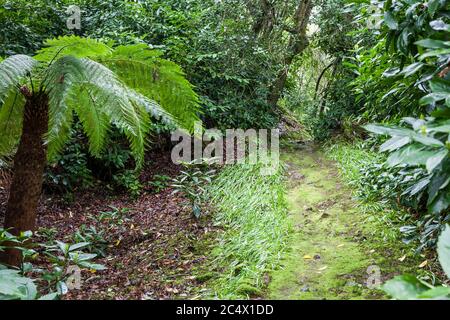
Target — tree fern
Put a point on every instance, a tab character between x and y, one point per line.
73	46
11	116
99	98
134	83
59	80
65	80
143	70
139	68
119	104
12	70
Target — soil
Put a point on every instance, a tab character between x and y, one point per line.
154	243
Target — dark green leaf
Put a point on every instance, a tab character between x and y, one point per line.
390	21
443	250
404	287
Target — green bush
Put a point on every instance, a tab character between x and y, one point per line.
408	287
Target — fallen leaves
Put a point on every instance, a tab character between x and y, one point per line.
150	256
423	264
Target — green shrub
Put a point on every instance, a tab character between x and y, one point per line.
192	184
407	287
17	284
129	180
374	182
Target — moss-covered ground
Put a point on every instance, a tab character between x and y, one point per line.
337	250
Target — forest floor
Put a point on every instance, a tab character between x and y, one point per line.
337	251
151	243
155	249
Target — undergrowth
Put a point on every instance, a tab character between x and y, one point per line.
251	209
386	218
353	160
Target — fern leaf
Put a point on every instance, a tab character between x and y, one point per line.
121	105
11	117
86	101
158	79
60	79
71	45
12	70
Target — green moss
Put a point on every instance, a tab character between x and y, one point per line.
205	276
248	290
335	240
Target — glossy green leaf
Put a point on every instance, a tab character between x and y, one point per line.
440	86
395	143
413	155
390	21
443	250
433	98
436	160
435	293
388	130
404	287
412	69
441	203
433	44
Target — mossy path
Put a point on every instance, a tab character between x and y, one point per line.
330	255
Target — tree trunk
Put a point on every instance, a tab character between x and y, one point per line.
298	42
29	164
264	23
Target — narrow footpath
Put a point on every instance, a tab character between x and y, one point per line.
336	251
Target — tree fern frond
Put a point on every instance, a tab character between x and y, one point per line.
98	97
11	118
71	45
136	129
12	70
60	79
124	107
153	108
86	100
158	79
55	142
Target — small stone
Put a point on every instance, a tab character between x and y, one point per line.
304	289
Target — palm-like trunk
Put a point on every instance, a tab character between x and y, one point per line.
29	164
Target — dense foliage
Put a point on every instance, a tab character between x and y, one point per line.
389	65
375	73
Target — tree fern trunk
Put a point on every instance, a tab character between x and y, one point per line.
29	164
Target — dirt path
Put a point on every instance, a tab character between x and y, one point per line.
328	257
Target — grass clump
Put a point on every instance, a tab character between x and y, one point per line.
355	161
386	215
252	211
